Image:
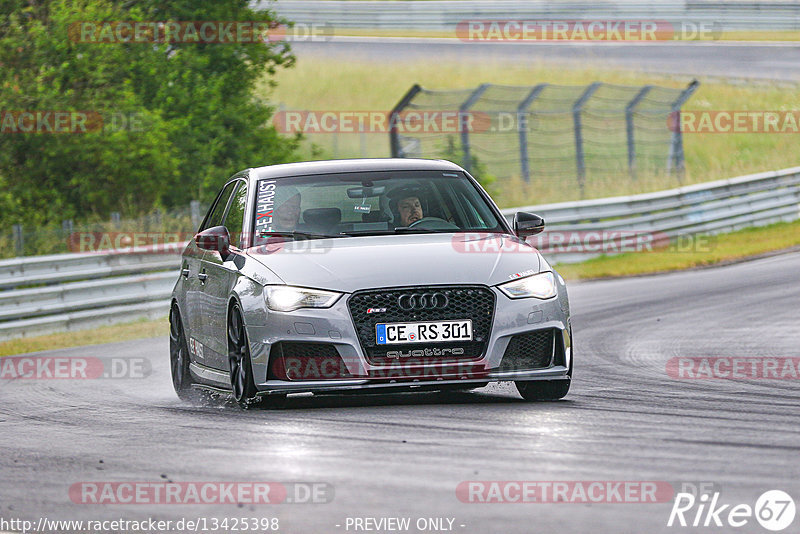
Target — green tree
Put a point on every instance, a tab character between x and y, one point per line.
207	89
196	119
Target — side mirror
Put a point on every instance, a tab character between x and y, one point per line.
527	224
216	238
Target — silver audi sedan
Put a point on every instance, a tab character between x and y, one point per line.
370	274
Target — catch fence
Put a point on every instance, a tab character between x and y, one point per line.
545	131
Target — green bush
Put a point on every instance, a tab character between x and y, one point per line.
197	119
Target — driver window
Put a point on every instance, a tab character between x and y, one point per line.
215	215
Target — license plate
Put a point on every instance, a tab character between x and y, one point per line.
428	332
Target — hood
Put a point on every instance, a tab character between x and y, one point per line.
353	263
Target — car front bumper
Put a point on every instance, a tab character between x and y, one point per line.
334	326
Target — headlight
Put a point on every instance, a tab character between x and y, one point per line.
540	286
288	298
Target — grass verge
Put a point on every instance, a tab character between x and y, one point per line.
721	248
360	83
105	334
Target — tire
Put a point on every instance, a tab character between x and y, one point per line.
182	380
243	387
548	390
543	390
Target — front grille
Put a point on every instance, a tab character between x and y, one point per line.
533	350
291	360
464	302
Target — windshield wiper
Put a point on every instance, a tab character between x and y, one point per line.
398	230
296	234
367	232
409	230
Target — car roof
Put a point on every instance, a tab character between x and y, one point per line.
352	165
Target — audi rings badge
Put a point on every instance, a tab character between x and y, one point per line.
422	301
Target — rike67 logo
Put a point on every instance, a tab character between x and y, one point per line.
774	510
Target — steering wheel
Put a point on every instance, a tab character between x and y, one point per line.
433	223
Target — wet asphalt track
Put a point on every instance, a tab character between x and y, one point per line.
404	455
766	61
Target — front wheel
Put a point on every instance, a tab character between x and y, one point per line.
548	390
243	386
543	390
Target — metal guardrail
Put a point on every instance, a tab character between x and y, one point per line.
75	291
56	268
60	292
445	15
106	292
707	208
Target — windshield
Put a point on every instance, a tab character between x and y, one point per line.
371	203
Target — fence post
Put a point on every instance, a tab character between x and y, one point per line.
394	136
463	123
19	240
194	210
115	218
675	160
576	118
522	126
629	109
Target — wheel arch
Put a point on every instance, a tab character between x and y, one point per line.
233	300
249	295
